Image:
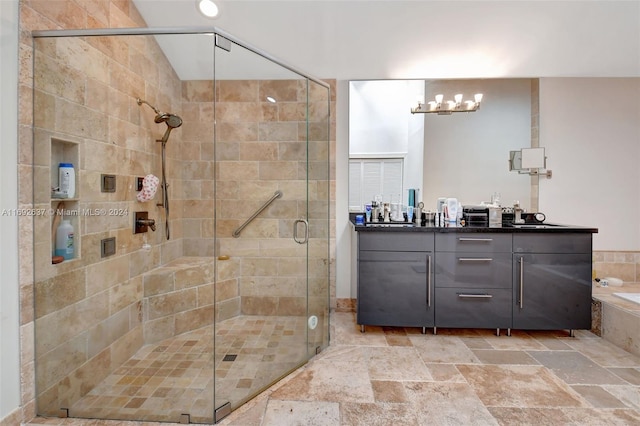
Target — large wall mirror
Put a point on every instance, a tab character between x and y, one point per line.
463	155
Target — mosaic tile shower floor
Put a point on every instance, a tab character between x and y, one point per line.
163	381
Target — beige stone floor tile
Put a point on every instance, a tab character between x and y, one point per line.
630	375
605	353
491	356
445	373
332	380
575	369
519	386
518	341
397	363
602	417
630	395
388	391
445	349
439	403
384	414
598	397
316	413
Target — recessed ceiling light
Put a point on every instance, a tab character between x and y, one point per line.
208	8
270	99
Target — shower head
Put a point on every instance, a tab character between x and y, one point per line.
172	120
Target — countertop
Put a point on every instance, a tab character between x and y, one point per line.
456	227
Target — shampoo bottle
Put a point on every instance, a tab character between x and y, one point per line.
67	179
64	240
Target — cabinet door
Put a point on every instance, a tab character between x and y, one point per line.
394	289
552	291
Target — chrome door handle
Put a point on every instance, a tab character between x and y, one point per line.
482	240
306	231
521	261
475	259
429	280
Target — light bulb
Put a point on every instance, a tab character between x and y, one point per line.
439	98
478	97
458	98
208	8
420	100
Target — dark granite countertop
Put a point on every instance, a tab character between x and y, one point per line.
456	227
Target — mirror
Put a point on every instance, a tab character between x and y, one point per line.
465	155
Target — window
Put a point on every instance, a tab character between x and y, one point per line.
374	176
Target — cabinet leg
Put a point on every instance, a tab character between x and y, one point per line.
424	330
362	328
572	333
435	330
498	332
509	332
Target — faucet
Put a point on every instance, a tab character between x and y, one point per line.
151	223
517	210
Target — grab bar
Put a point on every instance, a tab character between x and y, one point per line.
237	232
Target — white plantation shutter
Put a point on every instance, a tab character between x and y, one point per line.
374	176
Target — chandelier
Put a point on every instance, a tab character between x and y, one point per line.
441	107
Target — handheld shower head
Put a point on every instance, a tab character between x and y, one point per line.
172	120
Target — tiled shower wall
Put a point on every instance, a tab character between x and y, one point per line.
89	310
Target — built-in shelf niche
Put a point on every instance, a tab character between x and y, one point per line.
65	152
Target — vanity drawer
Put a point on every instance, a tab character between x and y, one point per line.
395	241
473	270
473	308
474	242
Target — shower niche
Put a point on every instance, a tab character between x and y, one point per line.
186	328
62	206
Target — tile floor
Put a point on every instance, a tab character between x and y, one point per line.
161	382
396	376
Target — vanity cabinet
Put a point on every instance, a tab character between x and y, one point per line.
473	280
552	281
395	279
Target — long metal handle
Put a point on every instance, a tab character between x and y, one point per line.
475	259
306	231
237	232
475	296
484	240
429	280
521	260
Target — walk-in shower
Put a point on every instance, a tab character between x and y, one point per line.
172	121
143	327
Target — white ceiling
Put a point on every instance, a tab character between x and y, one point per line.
421	39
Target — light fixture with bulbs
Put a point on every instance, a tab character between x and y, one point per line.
208	8
441	107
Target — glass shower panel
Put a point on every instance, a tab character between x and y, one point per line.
319	216
261	211
124	324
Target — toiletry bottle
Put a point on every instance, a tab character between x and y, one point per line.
64	240
67	179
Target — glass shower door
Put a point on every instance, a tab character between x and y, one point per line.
264	228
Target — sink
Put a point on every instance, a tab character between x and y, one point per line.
535	225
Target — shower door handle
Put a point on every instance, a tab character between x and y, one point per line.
306	231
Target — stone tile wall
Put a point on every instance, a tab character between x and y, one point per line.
617	264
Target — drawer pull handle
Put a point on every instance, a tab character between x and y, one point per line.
481	240
475	259
475	296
